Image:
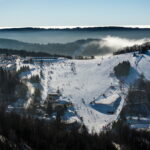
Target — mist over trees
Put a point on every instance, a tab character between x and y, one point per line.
136	48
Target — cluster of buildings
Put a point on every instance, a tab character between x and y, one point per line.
8	62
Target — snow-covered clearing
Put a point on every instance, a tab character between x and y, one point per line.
83	81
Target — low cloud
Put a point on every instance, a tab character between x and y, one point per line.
107	45
116	43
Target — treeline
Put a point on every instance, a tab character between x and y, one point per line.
39	134
129	139
137	106
24	53
11	87
42	135
140	48
8	82
138	99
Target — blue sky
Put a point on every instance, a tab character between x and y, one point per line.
15	13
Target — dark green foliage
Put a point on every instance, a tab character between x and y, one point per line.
23	69
39	134
49	109
42	135
41	74
138	99
35	104
144	85
35	79
122	69
21	90
60	109
5	144
37	95
141	48
84	57
57	108
11	87
8	81
130	139
24	53
137	105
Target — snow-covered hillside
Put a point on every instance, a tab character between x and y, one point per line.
90	85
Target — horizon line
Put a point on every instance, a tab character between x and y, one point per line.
78	26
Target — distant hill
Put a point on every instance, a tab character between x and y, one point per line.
54	48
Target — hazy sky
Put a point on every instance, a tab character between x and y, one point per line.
74	12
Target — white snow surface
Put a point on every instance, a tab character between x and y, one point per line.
108	100
83	81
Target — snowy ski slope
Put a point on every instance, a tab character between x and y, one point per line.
86	83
